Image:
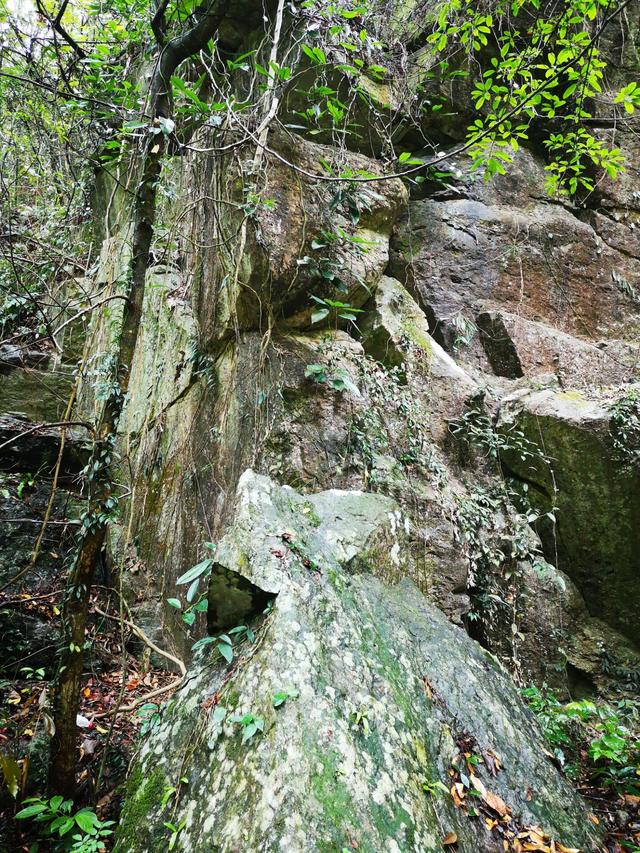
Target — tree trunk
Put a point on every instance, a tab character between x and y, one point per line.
63	746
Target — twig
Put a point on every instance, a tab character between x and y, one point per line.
37	427
140	633
37	521
157	692
88	310
8	601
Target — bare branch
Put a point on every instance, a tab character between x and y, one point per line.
56	23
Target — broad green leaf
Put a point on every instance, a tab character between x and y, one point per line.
319	315
204	641
86	820
195	571
30	811
226	651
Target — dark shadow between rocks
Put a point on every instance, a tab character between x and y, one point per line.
233	600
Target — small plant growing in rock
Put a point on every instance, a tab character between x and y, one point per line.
251	725
278	699
224	642
150	714
338	380
336	309
194	576
475	428
175	829
360	717
434	786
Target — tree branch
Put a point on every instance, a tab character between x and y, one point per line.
56	23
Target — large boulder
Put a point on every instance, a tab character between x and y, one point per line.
345	724
516	347
594	535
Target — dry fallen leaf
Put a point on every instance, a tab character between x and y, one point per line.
457	799
593	818
478	785
537	836
496	803
450	838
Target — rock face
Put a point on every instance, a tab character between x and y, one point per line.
402	446
516	347
596	538
505	246
364	694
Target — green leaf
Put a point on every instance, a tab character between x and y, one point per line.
316	372
315	54
30	811
195	571
226	651
281	697
175	602
319	315
204	641
86	820
193	589
66	826
167	125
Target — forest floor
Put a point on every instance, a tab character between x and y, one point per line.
121	698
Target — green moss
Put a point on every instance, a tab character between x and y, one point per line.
416	336
573	396
375	649
334	799
144	796
377	561
231	699
393	821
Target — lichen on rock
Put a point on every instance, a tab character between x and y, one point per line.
381	689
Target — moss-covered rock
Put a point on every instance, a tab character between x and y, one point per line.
380	691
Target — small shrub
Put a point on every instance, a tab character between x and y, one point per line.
57	821
597	740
